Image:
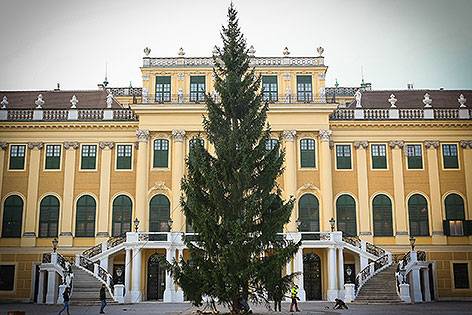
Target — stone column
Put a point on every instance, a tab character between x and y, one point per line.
178	167
400	214
142	178
415	283
326	180
3	148
104	198
363	191
65	236
290	174
298	265
136	288
427	292
127	274
40	288
29	234
435	213
467	153
332	291
341	273
169	291
51	295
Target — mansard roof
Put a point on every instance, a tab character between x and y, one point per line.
58	99
413	98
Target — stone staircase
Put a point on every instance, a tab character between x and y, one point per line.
380	289
86	289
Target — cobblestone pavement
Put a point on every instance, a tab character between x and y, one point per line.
310	308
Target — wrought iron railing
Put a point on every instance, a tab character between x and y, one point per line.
372	269
92	251
46	258
353	240
153	236
421	256
315	236
374	249
86	263
116	240
61	261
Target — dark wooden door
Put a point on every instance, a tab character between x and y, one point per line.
156	278
312	276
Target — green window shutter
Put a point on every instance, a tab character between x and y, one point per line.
450	156
418	215
414	156
308	213
382	216
159	214
163	89
48	217
446	227
17	157
343	157
53	157
379	156
124	156
85	217
461	275
454	205
270	88
12	216
307	153
121	216
468	227
304	88
88	157
197	88
161	153
346	215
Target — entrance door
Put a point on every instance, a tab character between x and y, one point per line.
312	276
156	278
36	285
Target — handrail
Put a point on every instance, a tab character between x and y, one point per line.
116	240
97	271
92	251
371	270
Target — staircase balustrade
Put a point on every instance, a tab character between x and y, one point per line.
371	270
97	271
92	251
116	240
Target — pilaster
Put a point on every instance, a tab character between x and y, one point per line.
105	174
332	290
326	180
65	235
3	149
467	153
400	215
178	166
142	177
363	190
434	191
136	295
290	174
29	234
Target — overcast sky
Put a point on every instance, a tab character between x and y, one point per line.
427	42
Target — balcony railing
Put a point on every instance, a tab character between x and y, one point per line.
199	98
90	114
401	114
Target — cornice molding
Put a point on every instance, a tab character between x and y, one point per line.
84	125
400	125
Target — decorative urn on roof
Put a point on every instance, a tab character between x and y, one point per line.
39	102
147	51
4	102
251	52
392	100
320	51
74	101
181	52
427	101
286	52
461	101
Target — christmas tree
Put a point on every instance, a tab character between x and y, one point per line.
231	197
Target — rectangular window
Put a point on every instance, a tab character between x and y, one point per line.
343	157
269	87
7	277
450	159
414	156
53	156
304	88
271	144
89	157
124	154
161	153
197	88
162	89
192	143
456	228
307	153
461	275
17	156
379	156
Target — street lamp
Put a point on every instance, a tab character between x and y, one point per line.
136	224
412	243
54	244
332	222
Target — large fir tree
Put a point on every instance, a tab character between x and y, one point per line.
231	197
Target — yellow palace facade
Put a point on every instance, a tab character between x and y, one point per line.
99	171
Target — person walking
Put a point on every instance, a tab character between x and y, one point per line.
294	294
103	298
277	296
66	297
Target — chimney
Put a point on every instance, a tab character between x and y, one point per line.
58	87
409	86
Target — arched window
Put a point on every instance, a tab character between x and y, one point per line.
159	214
121	221
455	215
48	216
308	213
382	214
418	215
85	217
12	216
346	215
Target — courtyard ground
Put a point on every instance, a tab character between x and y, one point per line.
309	308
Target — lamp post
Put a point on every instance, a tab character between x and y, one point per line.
412	243
136	225
54	244
332	222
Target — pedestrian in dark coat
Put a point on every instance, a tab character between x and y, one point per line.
103	298
66	298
